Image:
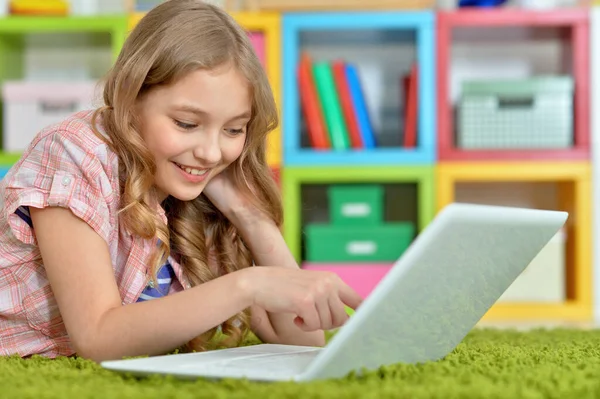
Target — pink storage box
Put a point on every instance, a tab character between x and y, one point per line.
362	277
31	106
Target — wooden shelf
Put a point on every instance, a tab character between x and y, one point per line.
497	17
115	25
31	24
568	311
448	153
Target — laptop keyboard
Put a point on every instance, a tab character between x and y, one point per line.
297	361
281	365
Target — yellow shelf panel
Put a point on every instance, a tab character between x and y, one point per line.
270	25
569	311
514	171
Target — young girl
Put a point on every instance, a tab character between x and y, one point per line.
129	230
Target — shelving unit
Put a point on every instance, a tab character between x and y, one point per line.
572	189
265	29
573	23
435	172
396	29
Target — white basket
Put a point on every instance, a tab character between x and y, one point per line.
530	113
31	106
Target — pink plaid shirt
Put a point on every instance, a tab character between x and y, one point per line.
66	165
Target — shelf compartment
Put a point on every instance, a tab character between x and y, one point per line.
115	25
401	38
561	186
569	28
416	181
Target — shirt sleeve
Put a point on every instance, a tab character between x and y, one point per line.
63	170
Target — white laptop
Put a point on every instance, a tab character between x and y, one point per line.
439	289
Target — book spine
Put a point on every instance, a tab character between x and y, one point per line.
336	125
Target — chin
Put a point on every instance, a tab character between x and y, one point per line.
183	196
182	193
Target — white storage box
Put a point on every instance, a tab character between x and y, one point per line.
530	113
31	106
97	7
544	279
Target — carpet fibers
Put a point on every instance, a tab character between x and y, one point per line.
558	363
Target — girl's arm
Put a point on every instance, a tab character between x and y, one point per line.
80	272
270	249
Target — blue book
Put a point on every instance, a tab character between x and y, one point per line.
360	107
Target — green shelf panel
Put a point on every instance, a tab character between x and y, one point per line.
115	25
22	24
293	177
8	159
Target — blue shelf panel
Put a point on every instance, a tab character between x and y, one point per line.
359	20
3	171
423	24
379	156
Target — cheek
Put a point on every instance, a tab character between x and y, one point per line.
233	149
162	140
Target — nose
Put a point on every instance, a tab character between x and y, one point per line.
208	149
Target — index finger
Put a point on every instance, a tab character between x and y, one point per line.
350	297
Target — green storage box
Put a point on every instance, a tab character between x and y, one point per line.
332	243
356	204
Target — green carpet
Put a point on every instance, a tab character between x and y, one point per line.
487	364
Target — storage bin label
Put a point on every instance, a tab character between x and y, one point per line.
361	247
355	209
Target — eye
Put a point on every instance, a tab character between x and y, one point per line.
235	131
185	126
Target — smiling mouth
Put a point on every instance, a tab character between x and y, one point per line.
192	171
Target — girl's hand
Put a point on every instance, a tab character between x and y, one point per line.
316	297
221	191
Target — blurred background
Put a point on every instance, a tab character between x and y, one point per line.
390	110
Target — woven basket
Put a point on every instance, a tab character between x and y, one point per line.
516	114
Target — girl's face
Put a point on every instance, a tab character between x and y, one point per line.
195	128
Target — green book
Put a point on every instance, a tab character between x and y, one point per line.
330	102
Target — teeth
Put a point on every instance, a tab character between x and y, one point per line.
195	172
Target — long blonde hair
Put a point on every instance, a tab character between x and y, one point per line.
171	40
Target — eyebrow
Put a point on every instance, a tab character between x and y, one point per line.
195	110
